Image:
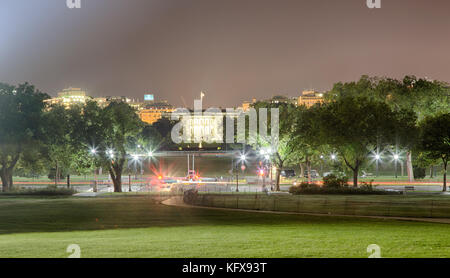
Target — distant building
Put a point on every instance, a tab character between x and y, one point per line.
310	98
151	113
132	102
206	125
247	104
68	97
283	99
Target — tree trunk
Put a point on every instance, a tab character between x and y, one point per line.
6	180
431	171
118	183
445	176
278	179
355	176
68	181
309	171
302	170
56	174
409	166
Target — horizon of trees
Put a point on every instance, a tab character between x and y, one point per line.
356	121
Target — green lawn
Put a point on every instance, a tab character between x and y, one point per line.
141	227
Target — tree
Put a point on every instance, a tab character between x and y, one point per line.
61	144
112	131
435	140
21	110
283	153
422	96
355	126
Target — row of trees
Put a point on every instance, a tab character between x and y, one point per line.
360	119
356	120
74	140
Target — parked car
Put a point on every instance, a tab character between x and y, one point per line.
288	173
314	174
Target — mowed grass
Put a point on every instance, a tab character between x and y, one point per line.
141	227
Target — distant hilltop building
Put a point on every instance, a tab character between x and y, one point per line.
68	97
310	98
155	110
247	104
150	111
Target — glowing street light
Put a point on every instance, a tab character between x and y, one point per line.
396	158
333	157
110	153
243	157
150	154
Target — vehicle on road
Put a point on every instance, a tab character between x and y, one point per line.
288	173
314	174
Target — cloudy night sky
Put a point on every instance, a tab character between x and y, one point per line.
232	49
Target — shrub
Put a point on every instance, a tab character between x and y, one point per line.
304	186
332	181
311	189
48	191
419	173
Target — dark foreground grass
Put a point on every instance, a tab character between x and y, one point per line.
141	227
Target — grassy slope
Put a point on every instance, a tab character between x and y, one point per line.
140	227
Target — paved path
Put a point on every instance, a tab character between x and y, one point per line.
178	201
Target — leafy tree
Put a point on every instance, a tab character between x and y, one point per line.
20	122
422	96
435	140
113	132
355	126
284	153
62	146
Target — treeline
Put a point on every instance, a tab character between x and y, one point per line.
358	122
38	139
367	120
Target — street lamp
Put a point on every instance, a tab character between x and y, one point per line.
94	152
110	153
396	158
377	160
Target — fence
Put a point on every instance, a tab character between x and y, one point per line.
398	206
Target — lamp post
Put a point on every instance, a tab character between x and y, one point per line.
243	157
135	161
396	157
377	158
94	152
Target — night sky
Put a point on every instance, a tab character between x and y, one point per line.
232	49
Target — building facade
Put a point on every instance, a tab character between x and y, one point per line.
310	98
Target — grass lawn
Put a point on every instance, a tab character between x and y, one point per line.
141	227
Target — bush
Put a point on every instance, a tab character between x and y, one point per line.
295	190
48	191
332	181
419	173
364	190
